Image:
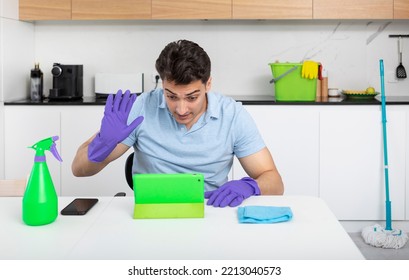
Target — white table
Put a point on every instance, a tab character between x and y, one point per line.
108	231
52	241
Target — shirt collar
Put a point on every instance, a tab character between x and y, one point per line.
162	101
213	110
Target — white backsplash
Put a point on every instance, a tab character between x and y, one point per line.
17	53
240	50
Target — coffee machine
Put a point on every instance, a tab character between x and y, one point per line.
67	82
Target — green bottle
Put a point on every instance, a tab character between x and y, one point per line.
40	202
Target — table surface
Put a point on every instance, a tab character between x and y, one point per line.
108	231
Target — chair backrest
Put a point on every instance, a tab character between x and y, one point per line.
128	170
12	187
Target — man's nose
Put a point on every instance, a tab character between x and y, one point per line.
181	107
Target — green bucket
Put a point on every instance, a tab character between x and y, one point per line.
292	87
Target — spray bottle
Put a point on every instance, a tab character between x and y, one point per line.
40	202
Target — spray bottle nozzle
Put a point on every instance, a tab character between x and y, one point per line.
46	144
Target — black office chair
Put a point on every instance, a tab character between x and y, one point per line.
128	170
128	173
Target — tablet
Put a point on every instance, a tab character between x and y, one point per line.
178	195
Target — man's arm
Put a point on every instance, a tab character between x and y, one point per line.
261	167
105	146
264	179
82	166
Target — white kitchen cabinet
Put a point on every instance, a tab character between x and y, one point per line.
407	164
292	135
79	124
335	152
23	127
2	145
351	161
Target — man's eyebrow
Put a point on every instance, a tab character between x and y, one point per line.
190	93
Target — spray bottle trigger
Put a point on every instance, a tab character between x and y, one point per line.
53	150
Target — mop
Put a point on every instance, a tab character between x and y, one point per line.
376	235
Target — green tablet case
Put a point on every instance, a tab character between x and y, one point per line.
178	195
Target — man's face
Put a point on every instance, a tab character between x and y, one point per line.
186	102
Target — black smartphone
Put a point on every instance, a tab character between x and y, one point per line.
79	206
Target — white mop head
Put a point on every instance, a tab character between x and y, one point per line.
379	237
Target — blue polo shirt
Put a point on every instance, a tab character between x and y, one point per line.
162	145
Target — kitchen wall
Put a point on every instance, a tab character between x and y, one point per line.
16	55
16	52
240	50
1	97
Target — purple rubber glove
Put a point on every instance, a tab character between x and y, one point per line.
114	128
233	193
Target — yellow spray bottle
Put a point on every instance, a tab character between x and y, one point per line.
40	202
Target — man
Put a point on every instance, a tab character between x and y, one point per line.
184	128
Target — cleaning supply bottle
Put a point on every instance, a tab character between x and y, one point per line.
40	202
324	85
36	83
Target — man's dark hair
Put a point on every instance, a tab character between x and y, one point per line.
183	62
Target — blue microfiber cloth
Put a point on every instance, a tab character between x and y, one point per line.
264	214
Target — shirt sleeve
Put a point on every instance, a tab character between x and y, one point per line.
247	137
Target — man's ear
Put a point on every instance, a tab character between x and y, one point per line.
208	84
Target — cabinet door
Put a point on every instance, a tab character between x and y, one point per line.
45	9
407	165
108	9
401	9
353	9
2	145
23	127
351	162
191	9
291	134
272	9
78	125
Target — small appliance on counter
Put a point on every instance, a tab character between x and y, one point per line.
36	83
110	83
67	82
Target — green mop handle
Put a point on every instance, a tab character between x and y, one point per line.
385	151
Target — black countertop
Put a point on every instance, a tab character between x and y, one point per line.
246	100
341	100
82	101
